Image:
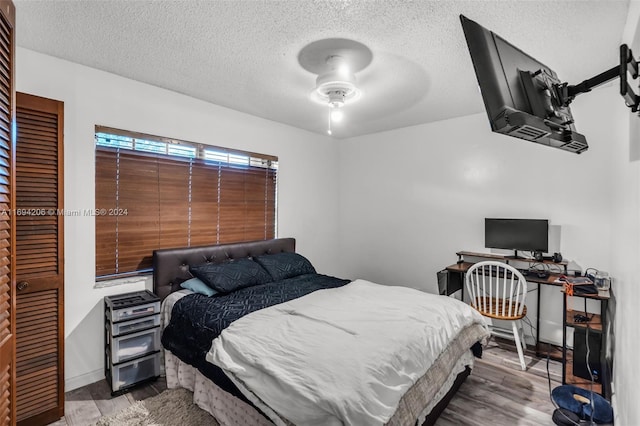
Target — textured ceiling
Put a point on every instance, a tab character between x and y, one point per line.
243	54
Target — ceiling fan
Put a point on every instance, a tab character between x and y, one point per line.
335	61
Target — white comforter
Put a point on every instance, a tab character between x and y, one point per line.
339	356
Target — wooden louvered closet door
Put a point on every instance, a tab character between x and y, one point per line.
7	198
39	261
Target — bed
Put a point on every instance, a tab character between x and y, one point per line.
237	350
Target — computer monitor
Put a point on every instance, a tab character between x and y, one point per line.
520	93
517	234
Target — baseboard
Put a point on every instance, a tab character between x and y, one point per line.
76	382
72	383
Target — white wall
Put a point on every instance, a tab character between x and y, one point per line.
411	198
306	192
625	251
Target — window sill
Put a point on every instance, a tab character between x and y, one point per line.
140	279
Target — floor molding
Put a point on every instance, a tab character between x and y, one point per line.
85	379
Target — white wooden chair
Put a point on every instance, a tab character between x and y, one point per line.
498	291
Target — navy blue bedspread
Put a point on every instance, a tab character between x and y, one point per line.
197	319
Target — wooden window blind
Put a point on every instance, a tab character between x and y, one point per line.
154	193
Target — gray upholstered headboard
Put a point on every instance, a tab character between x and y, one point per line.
171	266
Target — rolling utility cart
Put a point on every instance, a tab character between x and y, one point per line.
132	339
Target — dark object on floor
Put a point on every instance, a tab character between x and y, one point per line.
476	349
564	417
570	398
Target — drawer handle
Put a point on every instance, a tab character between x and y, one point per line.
22	285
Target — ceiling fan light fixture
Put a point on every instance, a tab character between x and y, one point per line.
336	98
335	62
336	88
337	85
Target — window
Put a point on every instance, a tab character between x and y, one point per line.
154	193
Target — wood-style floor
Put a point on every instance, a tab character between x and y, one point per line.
497	393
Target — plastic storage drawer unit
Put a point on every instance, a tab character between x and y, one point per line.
132	339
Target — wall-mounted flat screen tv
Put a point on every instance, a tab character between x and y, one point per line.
519	92
517	234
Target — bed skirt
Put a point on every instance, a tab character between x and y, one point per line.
231	411
226	408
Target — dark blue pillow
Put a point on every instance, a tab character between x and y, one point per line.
285	265
230	276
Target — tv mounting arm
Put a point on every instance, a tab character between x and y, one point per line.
566	93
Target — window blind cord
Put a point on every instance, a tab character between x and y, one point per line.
117	265
218	201
189	203
159	204
266	205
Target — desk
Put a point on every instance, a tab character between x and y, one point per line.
598	324
459	269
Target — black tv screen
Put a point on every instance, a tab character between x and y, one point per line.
519	92
517	234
